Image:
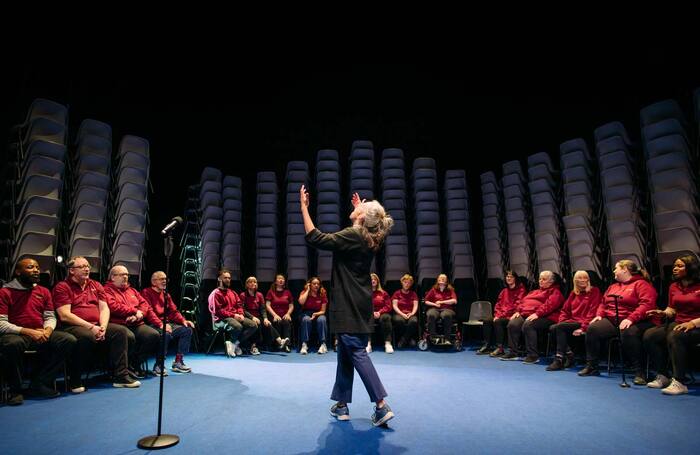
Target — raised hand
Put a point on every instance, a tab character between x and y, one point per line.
356	200
303	196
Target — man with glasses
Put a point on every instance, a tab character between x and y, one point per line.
82	308
128	308
177	328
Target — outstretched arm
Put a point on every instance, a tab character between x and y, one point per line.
304	202
356	200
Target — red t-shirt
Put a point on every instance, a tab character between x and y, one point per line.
252	303
637	297
686	301
125	302
156	300
508	301
314	303
84	302
405	301
227	304
279	301
25	308
381	301
434	295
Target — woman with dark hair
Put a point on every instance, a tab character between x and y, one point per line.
279	304
635	296
351	311
313	301
678	336
505	307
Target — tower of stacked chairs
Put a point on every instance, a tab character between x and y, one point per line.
266	229
580	193
459	245
671	168
396	247
297	251
210	227
130	205
517	213
362	174
622	197
543	186
495	239
232	227
189	257
427	211
34	186
327	206
90	188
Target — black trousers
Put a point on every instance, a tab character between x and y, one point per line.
661	341
519	326
52	354
143	343
116	341
386	326
604	329
563	332
446	314
406	329
497	326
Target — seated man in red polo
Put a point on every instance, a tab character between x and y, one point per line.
27	322
128	308
82	308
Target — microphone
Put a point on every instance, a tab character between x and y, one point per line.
175	221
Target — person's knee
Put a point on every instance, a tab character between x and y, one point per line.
673	337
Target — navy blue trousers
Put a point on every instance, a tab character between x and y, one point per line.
353	356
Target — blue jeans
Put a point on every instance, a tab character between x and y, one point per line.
321	326
182	334
353	356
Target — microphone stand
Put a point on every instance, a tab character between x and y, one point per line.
624	383
161	441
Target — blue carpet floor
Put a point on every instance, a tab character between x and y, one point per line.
445	402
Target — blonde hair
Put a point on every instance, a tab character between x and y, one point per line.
407	277
581	273
377	224
633	268
379	283
436	286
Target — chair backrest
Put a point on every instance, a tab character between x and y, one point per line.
479	310
212	308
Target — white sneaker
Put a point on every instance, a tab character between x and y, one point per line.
254	350
676	388
304	350
388	348
230	351
660	382
237	348
369	347
322	349
79	389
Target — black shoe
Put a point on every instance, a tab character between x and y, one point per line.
483	350
569	360
42	391
510	356
639	379
531	359
136	373
14	399
589	370
126	382
498	352
556	365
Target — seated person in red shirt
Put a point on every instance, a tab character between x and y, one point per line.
27	322
128	308
279	304
536	311
177	327
254	309
507	300
313	300
82	308
381	303
678	337
442	299
405	304
228	310
575	315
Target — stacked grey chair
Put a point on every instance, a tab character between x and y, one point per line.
672	180
580	207
543	185
327	205
362	174
517	209
266	229
90	192
297	251
427	212
130	204
396	249
34	191
232	226
190	254
211	222
495	238
459	244
621	194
